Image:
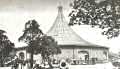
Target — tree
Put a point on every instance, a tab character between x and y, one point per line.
31	32
38	43
105	15
46	46
6	47
49	47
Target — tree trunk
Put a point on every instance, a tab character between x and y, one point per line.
21	65
31	59
2	64
49	62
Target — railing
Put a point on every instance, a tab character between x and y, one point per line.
86	62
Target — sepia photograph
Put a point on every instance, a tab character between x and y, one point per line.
59	34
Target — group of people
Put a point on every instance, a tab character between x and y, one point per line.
51	65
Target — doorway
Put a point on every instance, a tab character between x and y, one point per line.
83	56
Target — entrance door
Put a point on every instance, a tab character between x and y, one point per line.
84	56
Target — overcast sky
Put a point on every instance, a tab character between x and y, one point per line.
15	13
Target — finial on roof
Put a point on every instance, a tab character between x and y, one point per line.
60	3
60	6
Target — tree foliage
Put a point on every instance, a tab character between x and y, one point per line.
49	47
38	43
31	32
6	47
105	15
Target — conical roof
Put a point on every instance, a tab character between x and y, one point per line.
63	34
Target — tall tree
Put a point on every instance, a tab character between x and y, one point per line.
104	14
6	46
31	32
46	46
49	47
38	43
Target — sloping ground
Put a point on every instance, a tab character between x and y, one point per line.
96	66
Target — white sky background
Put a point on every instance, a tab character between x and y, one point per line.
15	13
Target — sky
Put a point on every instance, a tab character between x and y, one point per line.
15	13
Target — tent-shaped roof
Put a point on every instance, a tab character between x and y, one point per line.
63	34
